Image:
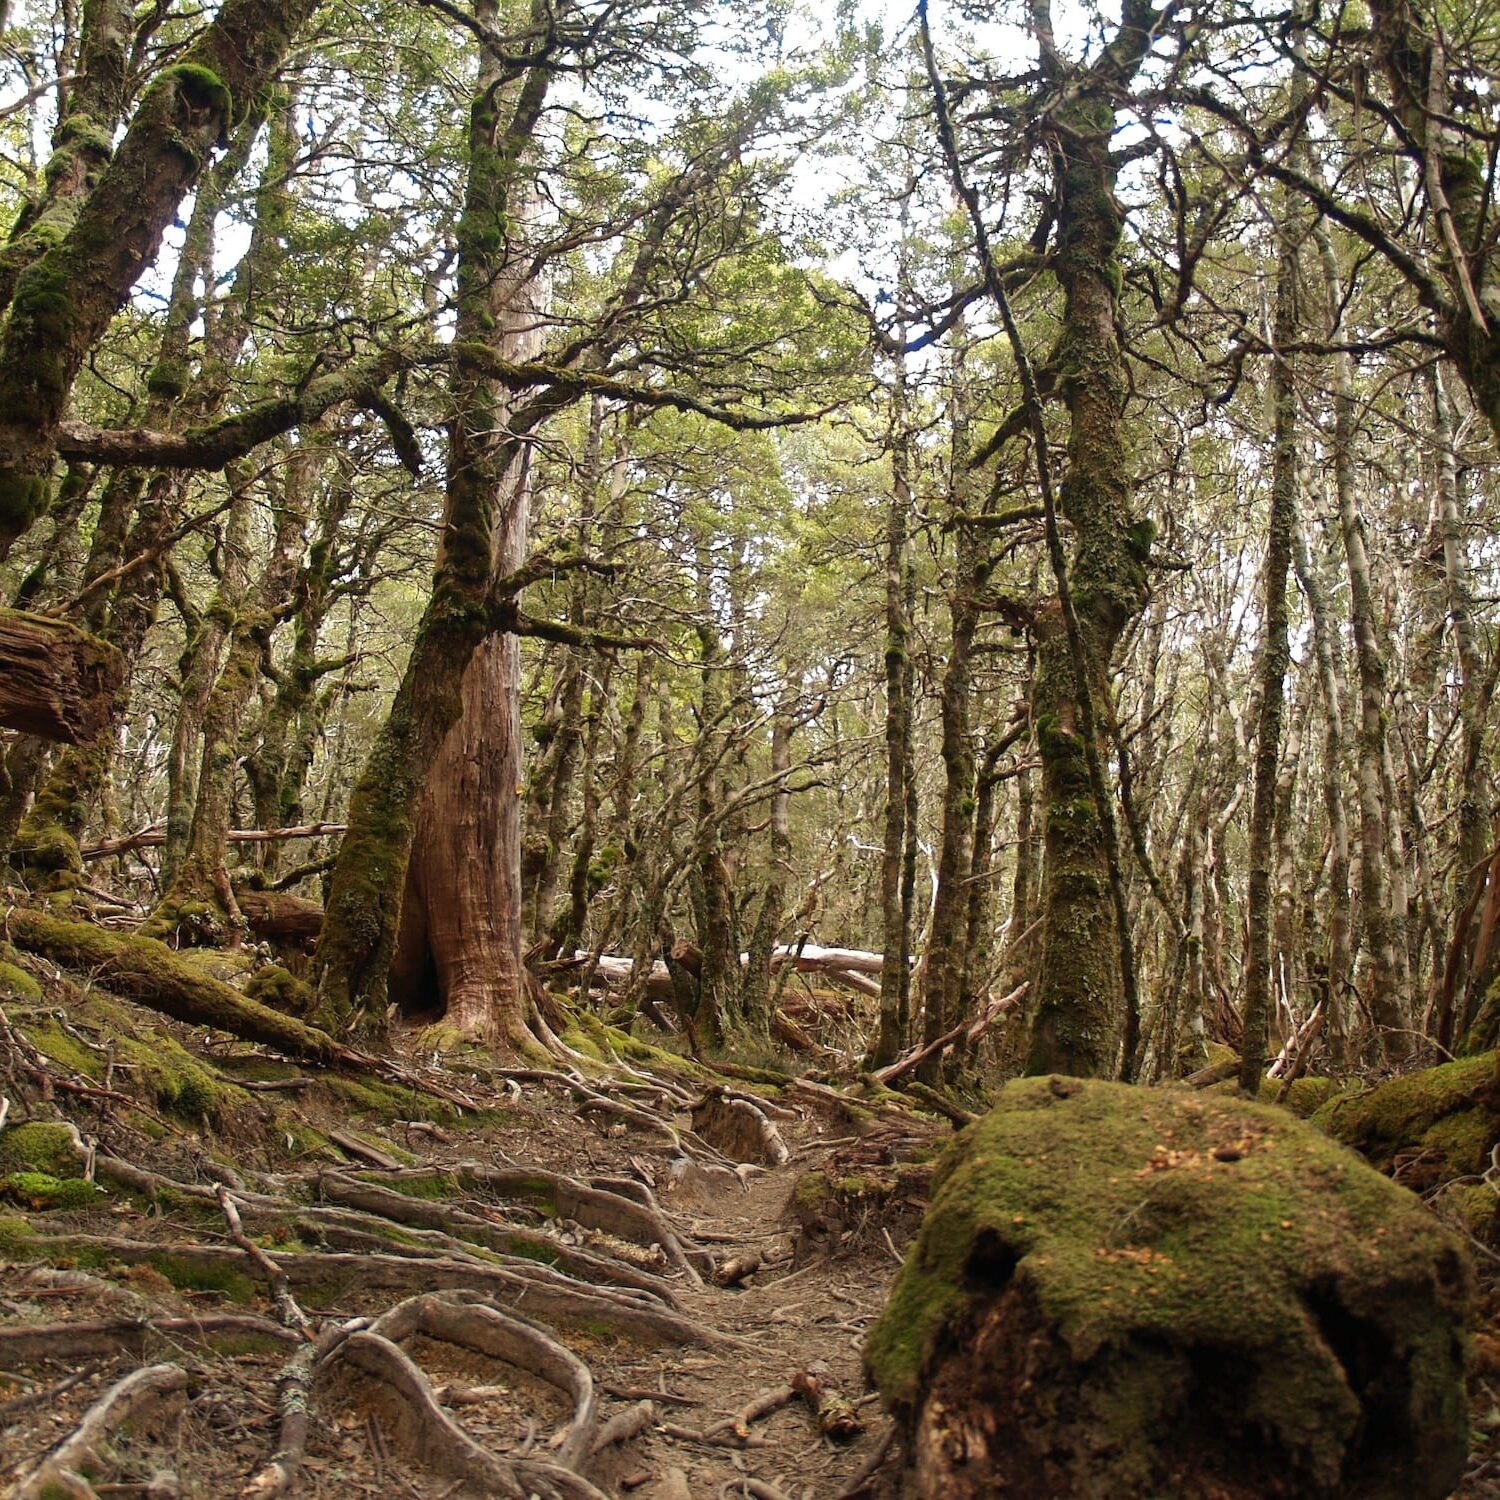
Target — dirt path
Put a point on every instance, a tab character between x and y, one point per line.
134	1257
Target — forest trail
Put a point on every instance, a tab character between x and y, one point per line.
723	1421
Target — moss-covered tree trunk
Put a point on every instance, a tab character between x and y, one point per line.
66	297
453	726
1079	1017
894	913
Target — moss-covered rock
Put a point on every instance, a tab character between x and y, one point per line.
1428	1127
1138	1293
279	988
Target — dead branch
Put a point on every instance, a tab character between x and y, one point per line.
155	834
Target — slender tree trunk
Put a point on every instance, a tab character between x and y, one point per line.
1275	659
894	912
1079	1013
1340	956
1380	979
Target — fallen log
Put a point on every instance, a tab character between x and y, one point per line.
278	917
155	834
56	681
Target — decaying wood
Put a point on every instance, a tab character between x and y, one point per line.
56	681
736	1269
624	1425
127	1400
739	1128
278	917
838	1417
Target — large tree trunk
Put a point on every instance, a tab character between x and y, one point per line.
432	736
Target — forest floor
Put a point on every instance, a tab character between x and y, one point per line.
367	1194
129	1259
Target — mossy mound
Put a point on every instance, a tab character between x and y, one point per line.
42	1192
1140	1292
1426	1128
39	1146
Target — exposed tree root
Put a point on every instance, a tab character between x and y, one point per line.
486	1330
461	1225
442	1445
34	1341
594	1208
126	1400
545	1292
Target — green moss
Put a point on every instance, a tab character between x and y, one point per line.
280	989
17	984
385	1101
186	1275
17	1239
168	379
43	1192
431	1186
1445	1111
47	1036
179	1082
1306	1095
23	497
39	1146
1138	1220
201	87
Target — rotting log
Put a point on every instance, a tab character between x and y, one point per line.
56	681
279	917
